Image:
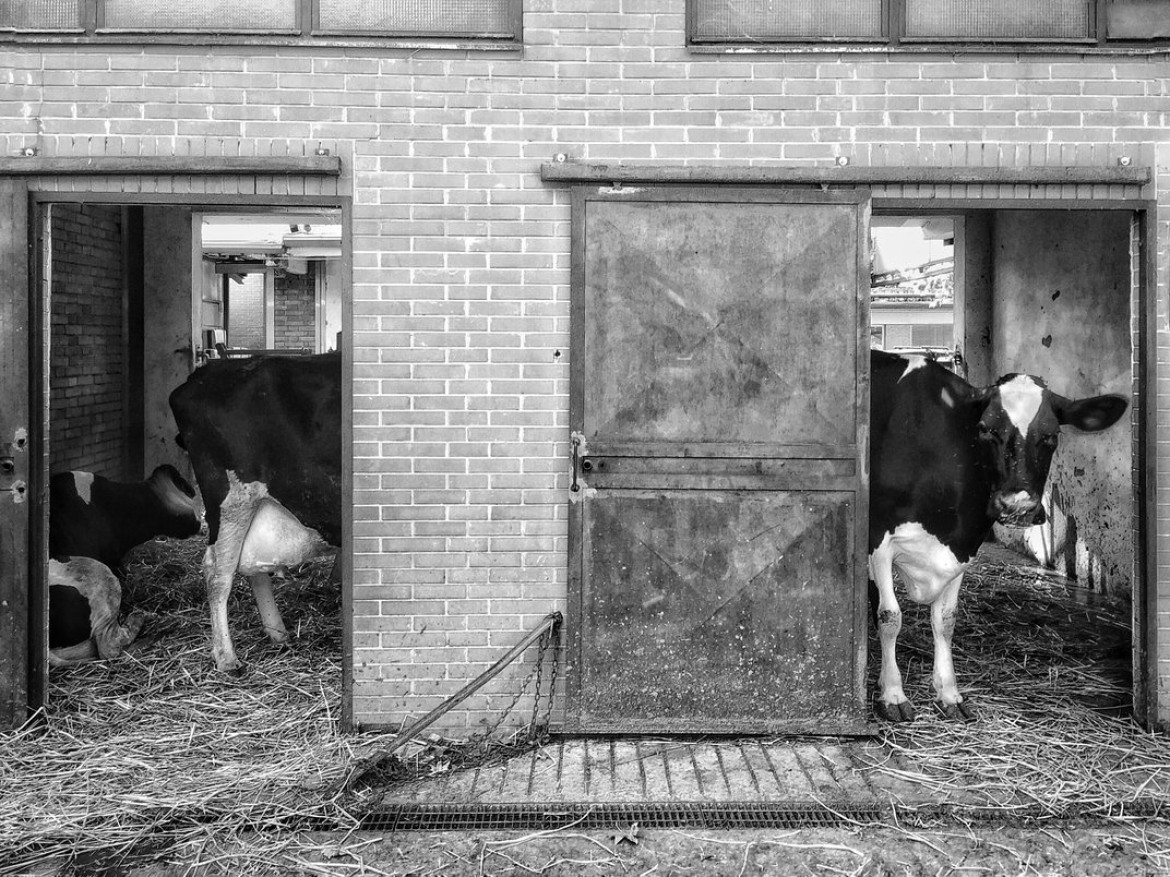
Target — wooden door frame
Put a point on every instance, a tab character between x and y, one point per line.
38	299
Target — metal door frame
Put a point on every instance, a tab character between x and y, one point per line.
21	530
34	588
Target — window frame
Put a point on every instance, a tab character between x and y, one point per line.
306	32
894	38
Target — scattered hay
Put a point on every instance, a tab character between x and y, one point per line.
156	757
1048	668
157	754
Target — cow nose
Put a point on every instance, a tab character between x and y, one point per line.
1016	504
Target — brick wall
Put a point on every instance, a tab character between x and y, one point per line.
245	311
88	348
461	253
295	304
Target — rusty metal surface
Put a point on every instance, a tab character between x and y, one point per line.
16	449
717	322
718	408
712	610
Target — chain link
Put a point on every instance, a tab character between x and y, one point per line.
546	641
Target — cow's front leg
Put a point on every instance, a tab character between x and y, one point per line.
942	623
266	604
892	705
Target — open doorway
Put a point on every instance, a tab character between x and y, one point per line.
912	286
137	296
1053	293
271	282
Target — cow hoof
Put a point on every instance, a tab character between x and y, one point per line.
134	624
233	668
894	712
957	712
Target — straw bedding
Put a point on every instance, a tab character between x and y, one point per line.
157	750
156	756
1049	669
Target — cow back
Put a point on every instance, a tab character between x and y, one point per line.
274	420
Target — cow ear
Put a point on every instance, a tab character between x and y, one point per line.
1090	415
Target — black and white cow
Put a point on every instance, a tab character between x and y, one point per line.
93	522
85	602
947	461
264	437
92	516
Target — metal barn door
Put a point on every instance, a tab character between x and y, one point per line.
719	411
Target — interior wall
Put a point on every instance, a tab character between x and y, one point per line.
1061	311
295	317
974	292
329	296
89	344
168	298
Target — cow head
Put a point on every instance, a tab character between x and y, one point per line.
179	501
1018	433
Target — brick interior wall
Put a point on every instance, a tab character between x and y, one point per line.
296	310
460	253
245	312
88	346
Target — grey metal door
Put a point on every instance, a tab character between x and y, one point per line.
719	413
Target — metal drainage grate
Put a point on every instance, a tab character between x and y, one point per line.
488	817
712	814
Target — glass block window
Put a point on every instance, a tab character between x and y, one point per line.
40	14
439	18
765	20
1062	20
932	335
206	15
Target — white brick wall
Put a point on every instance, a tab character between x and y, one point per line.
461	253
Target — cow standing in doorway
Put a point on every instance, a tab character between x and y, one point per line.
947	461
264	438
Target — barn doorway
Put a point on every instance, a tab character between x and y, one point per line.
1055	293
129	295
1001	287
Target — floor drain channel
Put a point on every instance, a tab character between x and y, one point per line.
488	817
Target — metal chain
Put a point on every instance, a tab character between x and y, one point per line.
549	640
492	728
544	642
553	636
